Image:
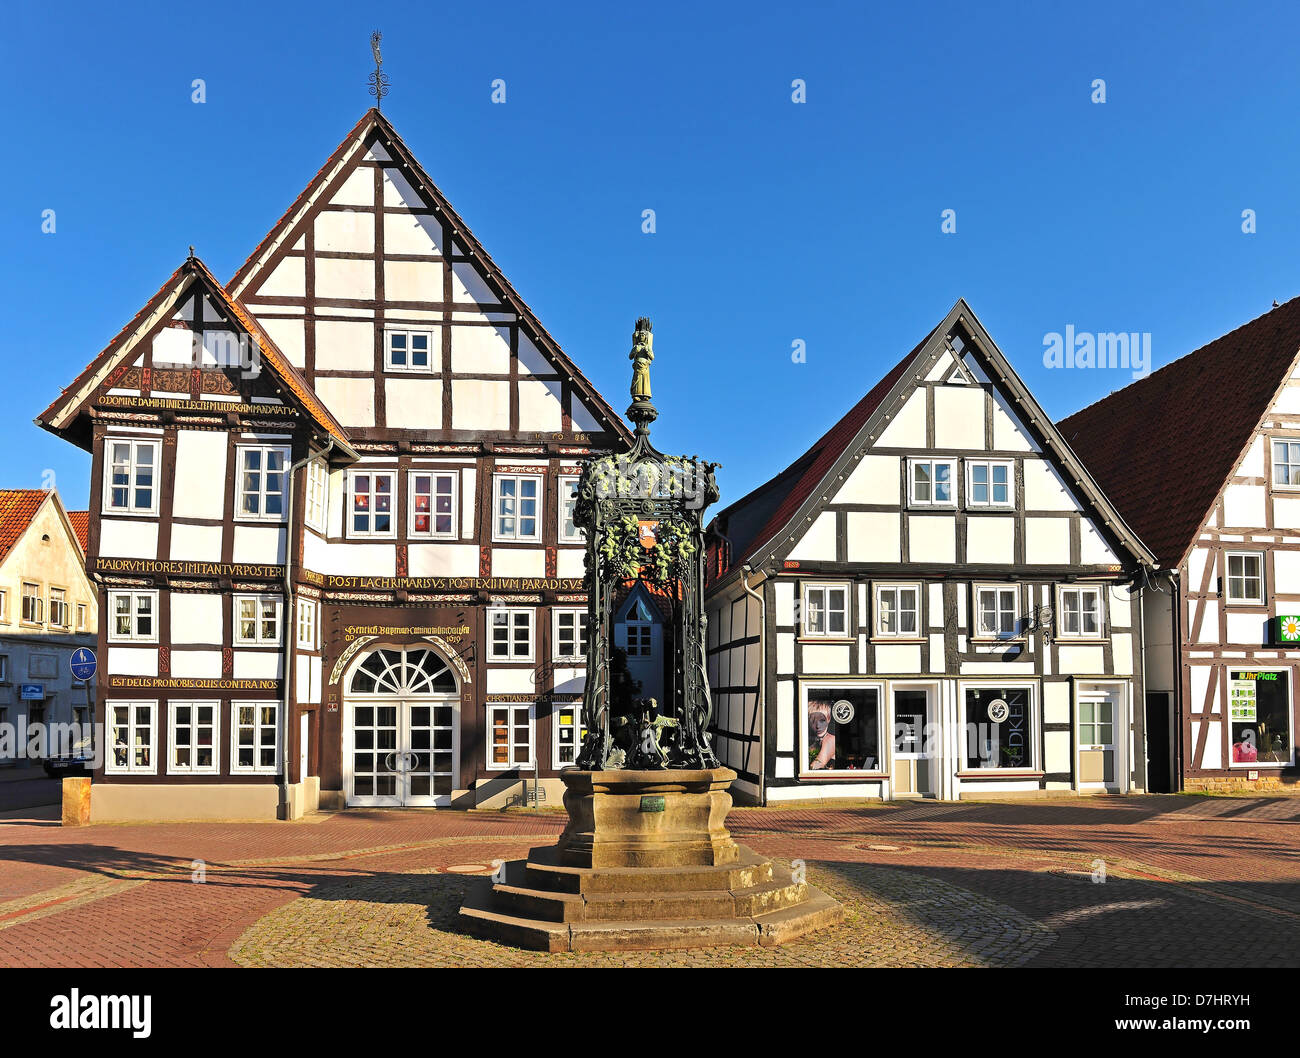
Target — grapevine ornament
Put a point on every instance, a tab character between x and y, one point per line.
643	516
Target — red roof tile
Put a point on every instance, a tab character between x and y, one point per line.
17	509
1163	448
81	526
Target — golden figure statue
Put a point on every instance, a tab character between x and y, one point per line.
641	355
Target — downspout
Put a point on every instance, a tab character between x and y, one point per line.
290	622
1142	672
760	704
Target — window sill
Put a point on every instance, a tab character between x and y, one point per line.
1002	773
900	640
836	640
842	775
1094	641
118	512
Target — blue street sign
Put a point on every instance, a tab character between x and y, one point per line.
31	692
82	663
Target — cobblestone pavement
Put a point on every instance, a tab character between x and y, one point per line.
1189	881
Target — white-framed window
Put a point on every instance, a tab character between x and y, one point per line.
257	620
570	634
1259	717
131	476
131	738
1286	464
58	608
1096	722
569	533
825	610
134	616
433	503
510	634
989	484
318	493
1245	577
255	737
33	604
510	736
4	668
931	482
1001	726
842	727
408	351
567	733
997	611
81	615
1080	610
898	610
4	605
370	503
263	474
193	731
515	501
307	610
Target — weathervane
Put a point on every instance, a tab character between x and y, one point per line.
378	79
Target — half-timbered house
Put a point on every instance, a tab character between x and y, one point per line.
934	600
1203	459
331	517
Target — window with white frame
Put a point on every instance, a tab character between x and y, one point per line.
511	634
33	604
997	612
989	484
843	728
510	736
898	610
370	504
1286	464
307	623
1081	612
318	491
433	503
1000	727
4	668
193	737
568	733
409	351
515	502
825	610
81	616
131	737
255	728
569	533
1245	577
257	620
58	608
131	476
4	605
262	479
931	482
571	634
134	616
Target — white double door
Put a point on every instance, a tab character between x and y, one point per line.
401	752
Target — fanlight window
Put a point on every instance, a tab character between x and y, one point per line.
403	672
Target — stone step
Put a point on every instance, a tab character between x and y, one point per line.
543	872
537	903
775	927
548	906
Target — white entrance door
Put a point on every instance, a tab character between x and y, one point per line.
303	756
400	745
911	771
1099	711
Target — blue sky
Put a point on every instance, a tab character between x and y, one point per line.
775	221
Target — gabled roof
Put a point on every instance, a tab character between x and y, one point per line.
374	126
793	494
62	414
17	509
1164	447
81	526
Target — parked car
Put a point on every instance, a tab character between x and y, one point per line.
77	761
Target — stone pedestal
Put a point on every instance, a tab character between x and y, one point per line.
646	862
76	800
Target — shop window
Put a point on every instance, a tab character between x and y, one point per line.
1259	712
842	728
999	727
568	733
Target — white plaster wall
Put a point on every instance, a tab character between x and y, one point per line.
128	538
442	560
874	536
259	543
196	619
959	417
413	403
990	539
875	479
480	405
907	430
540	406
1045	489
196	543
1047	541
518	562
480	350
818	540
932	538
345	345
352	400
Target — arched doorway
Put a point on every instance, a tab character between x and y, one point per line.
401	732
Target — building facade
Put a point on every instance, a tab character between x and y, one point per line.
331	517
47	612
1219	504
935	600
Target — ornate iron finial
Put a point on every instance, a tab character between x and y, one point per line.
642	412
191	253
378	79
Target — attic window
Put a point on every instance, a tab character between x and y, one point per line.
408	351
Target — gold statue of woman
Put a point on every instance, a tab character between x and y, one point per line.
641	355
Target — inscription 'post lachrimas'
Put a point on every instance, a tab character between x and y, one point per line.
643	516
